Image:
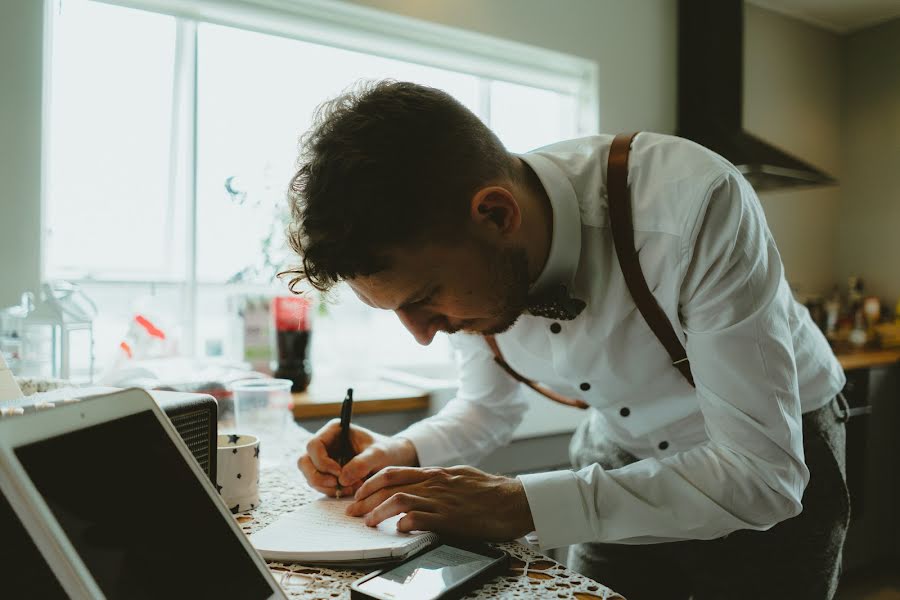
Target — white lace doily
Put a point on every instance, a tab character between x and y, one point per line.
283	489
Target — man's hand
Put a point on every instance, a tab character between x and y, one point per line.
458	501
372	451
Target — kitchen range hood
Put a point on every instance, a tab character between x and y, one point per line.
710	96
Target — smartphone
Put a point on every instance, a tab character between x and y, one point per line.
446	570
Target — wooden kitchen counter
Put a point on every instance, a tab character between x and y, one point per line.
865	357
368	398
386	397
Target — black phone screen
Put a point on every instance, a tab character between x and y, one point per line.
429	574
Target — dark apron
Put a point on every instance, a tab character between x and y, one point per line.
798	558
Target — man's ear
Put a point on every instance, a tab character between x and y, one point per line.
495	207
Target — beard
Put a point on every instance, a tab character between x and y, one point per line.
508	269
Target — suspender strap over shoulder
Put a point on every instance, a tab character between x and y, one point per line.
622	226
623	239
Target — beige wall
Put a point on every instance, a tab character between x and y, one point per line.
21	23
869	218
633	42
792	99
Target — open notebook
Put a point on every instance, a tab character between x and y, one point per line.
321	533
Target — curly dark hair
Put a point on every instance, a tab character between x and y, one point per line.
386	165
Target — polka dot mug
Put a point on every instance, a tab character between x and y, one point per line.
237	471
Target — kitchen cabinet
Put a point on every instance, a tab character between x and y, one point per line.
873	465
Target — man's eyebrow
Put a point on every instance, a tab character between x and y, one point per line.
415	298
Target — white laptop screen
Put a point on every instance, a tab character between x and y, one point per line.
137	514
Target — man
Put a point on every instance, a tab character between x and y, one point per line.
723	491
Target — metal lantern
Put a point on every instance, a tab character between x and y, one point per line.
58	330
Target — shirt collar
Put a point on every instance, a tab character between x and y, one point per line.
565	243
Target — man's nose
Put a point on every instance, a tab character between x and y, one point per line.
424	326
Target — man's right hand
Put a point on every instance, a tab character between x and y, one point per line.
372	452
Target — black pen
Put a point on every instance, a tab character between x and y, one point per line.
345	448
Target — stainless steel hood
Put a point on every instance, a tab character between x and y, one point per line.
710	96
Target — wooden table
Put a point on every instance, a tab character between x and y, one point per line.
368	398
282	489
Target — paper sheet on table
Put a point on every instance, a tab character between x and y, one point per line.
320	532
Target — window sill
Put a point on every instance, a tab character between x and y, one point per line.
372	397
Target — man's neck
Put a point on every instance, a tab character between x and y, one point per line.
537	218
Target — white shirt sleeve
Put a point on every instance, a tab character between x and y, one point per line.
736	307
482	417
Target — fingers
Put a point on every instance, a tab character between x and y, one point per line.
420	521
317	451
361	440
396	504
362	507
345	491
362	465
386	484
329	432
392	476
322	482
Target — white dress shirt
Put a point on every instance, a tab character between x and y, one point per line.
727	455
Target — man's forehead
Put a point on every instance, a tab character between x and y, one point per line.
387	290
410	271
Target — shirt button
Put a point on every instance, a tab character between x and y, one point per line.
625	412
585	386
663	445
556	328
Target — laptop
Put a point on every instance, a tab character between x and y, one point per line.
101	499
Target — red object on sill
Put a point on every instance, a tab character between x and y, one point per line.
293	333
150	327
291	313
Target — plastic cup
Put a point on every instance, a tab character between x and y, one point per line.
262	407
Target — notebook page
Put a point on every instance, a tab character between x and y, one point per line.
321	531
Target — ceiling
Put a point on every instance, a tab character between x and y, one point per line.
841	16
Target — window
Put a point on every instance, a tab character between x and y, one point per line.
111	116
174	129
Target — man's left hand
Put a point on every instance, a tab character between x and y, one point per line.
457	501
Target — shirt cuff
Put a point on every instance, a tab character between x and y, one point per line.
429	450
557	508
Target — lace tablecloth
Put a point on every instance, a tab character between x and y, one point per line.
283	489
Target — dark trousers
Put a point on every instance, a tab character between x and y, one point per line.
798	558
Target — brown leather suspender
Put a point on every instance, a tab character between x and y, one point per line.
623	239
540	389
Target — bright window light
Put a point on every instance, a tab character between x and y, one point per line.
256	94
173	139
108	211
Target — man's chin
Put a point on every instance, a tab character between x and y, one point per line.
494	328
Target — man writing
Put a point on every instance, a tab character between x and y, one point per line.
725	486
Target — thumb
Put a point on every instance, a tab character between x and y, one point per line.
369	461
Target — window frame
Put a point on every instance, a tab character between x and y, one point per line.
340	25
